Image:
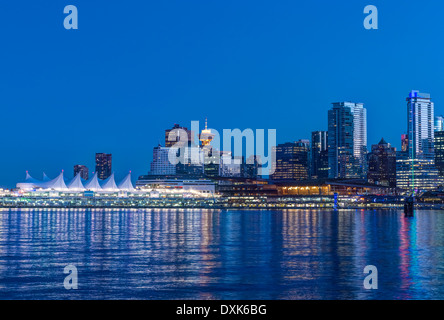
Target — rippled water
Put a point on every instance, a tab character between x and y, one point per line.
221	254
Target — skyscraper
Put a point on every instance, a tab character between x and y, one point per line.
292	161
382	164
415	168
161	164
347	140
420	125
103	165
319	155
176	133
83	170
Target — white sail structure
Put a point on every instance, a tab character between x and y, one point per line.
125	184
57	183
110	184
76	183
93	184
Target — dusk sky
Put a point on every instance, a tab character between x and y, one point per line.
133	69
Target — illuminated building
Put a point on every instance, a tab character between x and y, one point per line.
420	126
292	161
197	186
206	136
161	164
83	170
382	164
347	140
103	165
416	174
319	155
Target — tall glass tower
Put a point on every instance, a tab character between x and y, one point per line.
420	125
347	140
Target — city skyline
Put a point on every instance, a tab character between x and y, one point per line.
355	117
249	73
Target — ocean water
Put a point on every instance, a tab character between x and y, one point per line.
220	254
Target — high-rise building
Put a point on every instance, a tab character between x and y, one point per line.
420	125
439	152
382	164
83	170
415	167
292	161
103	165
211	161
439	123
190	161
347	140
319	155
176	134
161	164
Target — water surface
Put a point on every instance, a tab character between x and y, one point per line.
220	254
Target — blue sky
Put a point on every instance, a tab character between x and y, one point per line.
134	68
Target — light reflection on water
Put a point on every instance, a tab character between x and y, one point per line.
220	254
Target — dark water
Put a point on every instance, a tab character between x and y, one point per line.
219	254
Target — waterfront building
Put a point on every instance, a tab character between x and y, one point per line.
439	123
420	125
382	164
416	174
439	152
103	165
178	185
176	134
330	187
292	161
319	155
83	170
347	140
